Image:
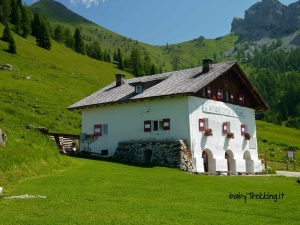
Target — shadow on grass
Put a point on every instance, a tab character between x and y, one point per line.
112	160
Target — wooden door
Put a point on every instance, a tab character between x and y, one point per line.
228	161
205	161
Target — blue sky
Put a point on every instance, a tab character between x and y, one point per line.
158	22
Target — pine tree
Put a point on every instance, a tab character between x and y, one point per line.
5	11
59	34
26	21
137	63
16	15
12	48
147	64
69	39
120	60
6	34
79	45
43	38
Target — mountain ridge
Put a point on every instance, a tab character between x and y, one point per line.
268	18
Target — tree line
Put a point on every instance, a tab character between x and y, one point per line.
19	18
276	75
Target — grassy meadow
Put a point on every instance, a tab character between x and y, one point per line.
103	192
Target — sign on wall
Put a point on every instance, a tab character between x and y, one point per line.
223	110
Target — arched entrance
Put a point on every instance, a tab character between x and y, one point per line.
248	162
205	161
228	161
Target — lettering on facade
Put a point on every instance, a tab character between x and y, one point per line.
223	110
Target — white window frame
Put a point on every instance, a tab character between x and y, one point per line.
138	88
160	125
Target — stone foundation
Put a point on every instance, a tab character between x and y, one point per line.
168	153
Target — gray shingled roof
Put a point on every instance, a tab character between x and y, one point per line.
172	83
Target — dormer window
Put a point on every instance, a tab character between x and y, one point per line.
138	88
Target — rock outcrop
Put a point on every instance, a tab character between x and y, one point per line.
268	18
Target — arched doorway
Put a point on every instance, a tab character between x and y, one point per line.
248	162
228	161
205	161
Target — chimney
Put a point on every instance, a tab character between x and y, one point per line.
120	79
206	65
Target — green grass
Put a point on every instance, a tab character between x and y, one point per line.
103	192
273	139
58	78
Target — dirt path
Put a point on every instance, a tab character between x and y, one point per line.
288	174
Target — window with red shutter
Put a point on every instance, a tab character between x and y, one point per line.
243	129
241	99
166	124
201	125
208	89
231	97
97	130
147	126
219	94
225	128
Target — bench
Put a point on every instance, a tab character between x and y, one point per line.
227	172
203	173
242	173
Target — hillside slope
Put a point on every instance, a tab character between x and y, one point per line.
184	55
55	79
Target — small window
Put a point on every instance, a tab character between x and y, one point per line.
227	96
231	97
138	88
104	129
243	129
241	99
158	125
204	92
226	127
104	152
219	94
208	91
98	130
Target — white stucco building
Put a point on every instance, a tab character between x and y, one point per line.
180	105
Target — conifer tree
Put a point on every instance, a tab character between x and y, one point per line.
79	45
6	36
59	34
69	39
12	48
16	15
5	10
120	60
43	38
136	63
26	21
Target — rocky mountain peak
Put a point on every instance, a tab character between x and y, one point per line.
268	18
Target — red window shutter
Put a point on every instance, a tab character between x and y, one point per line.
97	130
201	124
208	89
219	93
225	128
241	99
147	126
243	129
231	97
166	124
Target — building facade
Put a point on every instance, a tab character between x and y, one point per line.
212	108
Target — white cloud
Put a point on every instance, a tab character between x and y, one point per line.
87	3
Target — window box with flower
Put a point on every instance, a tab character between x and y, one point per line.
208	132
247	136
230	135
